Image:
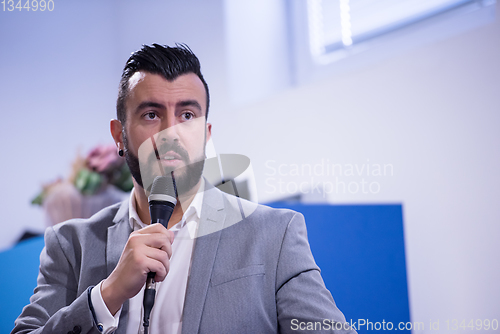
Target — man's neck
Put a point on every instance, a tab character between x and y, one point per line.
183	201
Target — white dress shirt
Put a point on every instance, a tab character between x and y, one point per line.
166	315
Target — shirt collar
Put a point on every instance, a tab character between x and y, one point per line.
193	211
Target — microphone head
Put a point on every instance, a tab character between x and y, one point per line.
163	189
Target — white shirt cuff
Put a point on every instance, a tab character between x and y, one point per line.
108	322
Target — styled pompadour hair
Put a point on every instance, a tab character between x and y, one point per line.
170	62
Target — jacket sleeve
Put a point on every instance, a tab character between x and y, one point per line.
55	306
303	302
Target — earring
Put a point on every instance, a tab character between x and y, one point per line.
120	152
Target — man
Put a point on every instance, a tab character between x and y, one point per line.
224	265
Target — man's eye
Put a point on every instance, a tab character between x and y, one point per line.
187	116
150	115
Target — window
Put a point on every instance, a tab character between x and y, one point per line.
336	26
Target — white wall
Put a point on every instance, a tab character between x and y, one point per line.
258	57
432	112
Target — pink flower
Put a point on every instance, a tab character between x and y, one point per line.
103	158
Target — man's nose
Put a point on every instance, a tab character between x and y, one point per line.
169	130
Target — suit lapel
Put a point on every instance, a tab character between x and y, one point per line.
118	234
209	231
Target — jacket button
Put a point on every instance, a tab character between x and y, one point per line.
77	329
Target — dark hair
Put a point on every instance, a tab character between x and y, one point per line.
170	62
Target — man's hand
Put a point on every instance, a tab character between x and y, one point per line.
148	249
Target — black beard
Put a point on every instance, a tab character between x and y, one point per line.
185	177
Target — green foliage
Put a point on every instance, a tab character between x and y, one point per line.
88	182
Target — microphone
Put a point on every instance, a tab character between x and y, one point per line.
162	201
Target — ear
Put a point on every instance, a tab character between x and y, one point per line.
208	132
116	131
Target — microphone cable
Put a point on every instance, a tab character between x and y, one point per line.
149	299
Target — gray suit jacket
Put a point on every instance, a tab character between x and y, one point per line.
250	273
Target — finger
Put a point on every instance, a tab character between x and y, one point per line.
159	241
157	261
156	228
171	236
167	248
155	240
153	228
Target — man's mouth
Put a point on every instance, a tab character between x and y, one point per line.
170	156
171	159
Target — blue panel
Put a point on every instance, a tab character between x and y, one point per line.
360	250
18	280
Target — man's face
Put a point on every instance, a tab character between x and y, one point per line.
165	128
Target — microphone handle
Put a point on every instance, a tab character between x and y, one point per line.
160	214
150	281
